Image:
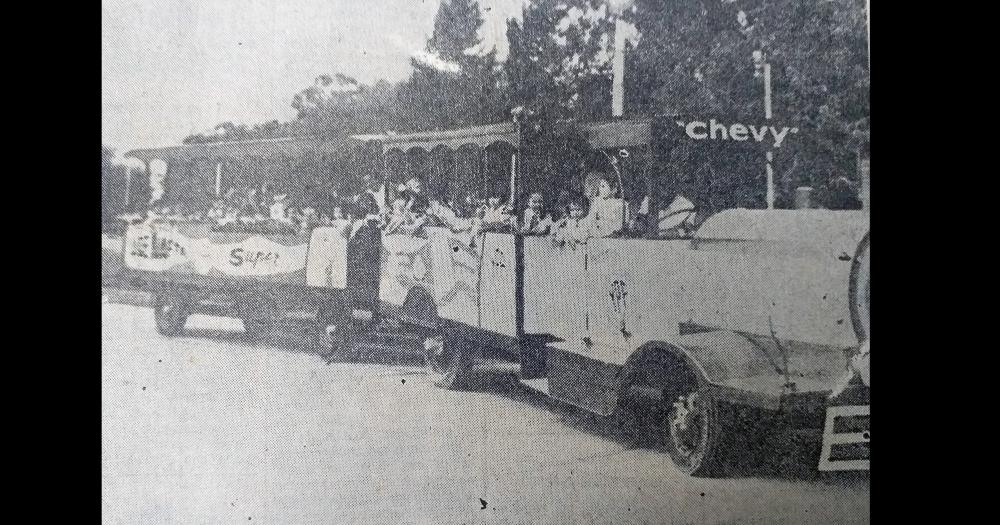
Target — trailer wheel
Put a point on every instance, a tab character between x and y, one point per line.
170	313
448	360
694	432
331	331
258	328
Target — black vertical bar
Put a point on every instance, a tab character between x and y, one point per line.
519	158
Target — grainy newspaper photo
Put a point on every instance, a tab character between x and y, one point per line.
473	261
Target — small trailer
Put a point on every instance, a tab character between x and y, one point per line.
253	271
259	278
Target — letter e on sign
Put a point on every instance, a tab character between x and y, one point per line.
738	132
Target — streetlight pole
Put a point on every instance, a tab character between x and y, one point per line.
770	153
617	8
618	67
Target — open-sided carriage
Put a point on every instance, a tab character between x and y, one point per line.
255	272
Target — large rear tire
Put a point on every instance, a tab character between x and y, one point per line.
859	289
170	313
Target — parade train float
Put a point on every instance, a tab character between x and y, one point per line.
759	318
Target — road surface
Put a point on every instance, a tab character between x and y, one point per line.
211	427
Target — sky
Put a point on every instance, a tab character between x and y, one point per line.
171	68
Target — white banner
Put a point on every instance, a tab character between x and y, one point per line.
164	249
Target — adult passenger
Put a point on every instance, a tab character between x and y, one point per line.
418	218
607	210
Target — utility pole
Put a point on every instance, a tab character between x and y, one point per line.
617	8
618	67
762	66
770	153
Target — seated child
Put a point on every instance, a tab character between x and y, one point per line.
418	218
572	229
535	220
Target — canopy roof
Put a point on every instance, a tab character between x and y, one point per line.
243	149
600	135
481	136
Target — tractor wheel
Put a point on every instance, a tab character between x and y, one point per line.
448	361
694	433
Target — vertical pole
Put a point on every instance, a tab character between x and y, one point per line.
149	177
218	179
127	208
770	181
767	91
513	179
770	154
618	69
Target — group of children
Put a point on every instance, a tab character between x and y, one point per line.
246	211
600	212
577	217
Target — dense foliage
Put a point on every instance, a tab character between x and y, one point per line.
690	57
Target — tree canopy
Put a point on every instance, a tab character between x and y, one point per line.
691	56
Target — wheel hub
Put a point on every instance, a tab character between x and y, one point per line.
684	423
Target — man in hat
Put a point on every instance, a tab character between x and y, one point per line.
279	210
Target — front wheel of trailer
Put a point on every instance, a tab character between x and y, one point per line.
170	314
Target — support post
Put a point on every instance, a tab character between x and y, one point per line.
218	179
127	208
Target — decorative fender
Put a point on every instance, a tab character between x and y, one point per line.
722	360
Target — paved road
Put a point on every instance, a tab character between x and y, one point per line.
214	428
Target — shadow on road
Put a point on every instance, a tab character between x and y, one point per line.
767	454
302	340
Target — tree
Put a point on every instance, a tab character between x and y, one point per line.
115	185
454	82
559	64
696	58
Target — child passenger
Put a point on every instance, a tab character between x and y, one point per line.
572	229
418	218
535	220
